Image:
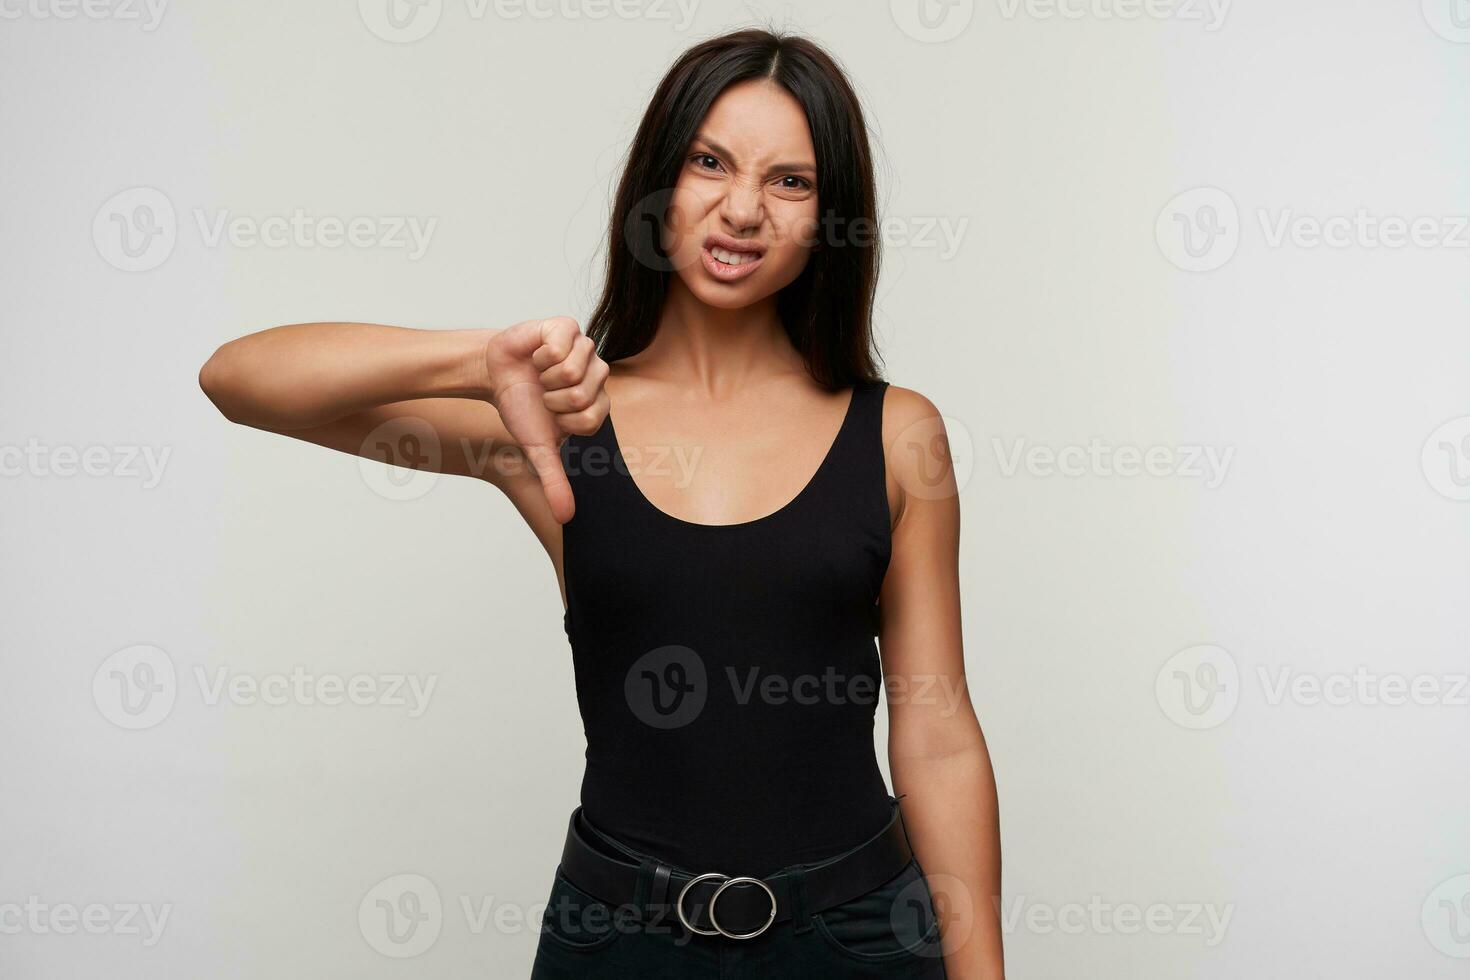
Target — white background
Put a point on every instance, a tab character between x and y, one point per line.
1053	140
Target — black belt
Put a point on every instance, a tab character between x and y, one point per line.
746	906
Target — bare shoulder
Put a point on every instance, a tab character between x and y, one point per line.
903	407
916	450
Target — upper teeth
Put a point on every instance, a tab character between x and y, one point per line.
731	258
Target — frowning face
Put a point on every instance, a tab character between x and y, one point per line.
741	222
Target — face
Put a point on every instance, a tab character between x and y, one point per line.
741	222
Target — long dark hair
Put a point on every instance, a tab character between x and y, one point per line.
827	310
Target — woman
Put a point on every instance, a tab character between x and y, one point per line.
727	551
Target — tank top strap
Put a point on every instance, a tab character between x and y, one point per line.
868	416
858	474
862	434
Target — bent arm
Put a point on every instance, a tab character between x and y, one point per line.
307	374
369	390
493	404
360	387
936	750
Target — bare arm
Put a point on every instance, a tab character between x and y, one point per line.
307	374
936	750
496	403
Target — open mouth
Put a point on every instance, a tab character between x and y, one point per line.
728	259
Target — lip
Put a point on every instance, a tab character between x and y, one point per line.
727	273
730	273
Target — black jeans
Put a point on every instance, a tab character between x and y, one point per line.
887	934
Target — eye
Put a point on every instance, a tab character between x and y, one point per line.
791	182
704	161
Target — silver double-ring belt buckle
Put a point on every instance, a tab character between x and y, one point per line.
728	882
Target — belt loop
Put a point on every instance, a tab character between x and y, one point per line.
658	897
646	868
801	919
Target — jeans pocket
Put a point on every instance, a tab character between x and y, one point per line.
893	921
575	920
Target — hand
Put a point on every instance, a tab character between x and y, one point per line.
546	383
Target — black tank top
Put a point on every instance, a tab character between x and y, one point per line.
727	675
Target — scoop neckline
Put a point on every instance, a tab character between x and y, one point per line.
822	467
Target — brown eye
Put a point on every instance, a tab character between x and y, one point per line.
791	182
704	161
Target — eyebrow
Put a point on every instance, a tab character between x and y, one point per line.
810	168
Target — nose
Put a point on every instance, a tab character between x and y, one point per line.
743	206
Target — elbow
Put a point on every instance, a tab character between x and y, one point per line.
215	380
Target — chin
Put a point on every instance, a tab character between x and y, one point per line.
723	297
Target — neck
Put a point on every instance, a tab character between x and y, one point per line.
721	349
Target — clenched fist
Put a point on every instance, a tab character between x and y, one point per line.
546	383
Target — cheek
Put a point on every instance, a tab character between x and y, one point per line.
684	220
794	232
796	225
